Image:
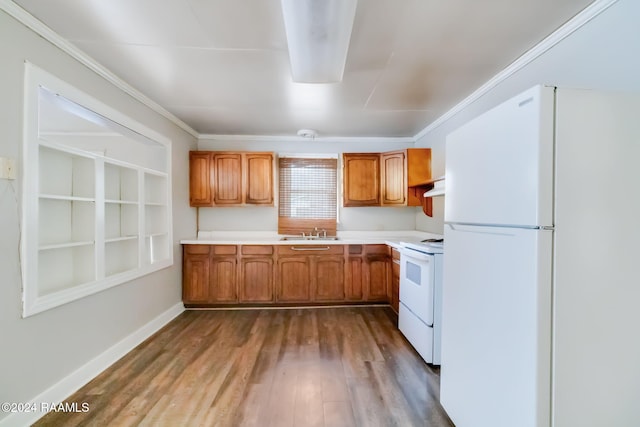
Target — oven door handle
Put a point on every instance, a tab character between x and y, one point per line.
416	255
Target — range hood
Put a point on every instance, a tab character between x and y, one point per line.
438	188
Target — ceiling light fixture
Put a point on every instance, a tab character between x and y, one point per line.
318	34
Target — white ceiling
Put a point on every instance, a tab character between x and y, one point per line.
222	66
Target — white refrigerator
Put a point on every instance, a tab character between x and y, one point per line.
541	289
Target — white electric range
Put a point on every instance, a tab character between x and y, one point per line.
420	313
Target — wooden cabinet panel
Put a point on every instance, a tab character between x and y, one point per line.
386	179
230	274
257	250
307	250
223	283
377	277
256	279
354	278
377	272
329	278
195	279
395	280
227	182
200	179
394	179
361	177
226	178
259	178
294	279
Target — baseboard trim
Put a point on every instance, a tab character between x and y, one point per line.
70	384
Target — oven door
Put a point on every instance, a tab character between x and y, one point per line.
417	283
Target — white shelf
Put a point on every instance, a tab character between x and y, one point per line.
67	198
97	199
66	245
122	202
121	239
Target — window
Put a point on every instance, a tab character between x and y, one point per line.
308	195
96	200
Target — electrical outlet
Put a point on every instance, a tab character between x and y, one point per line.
7	168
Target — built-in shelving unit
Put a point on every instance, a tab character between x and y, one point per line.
97	201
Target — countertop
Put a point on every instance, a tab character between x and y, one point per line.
391	238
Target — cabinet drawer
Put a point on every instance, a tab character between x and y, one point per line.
355	249
197	249
256	250
311	250
376	249
225	250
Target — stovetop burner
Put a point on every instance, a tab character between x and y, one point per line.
426	245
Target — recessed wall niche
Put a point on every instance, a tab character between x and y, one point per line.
96	195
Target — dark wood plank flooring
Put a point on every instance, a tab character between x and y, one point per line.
298	367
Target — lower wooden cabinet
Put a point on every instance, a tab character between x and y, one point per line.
329	278
310	273
223	282
256	279
265	274
209	274
195	274
354	278
294	279
377	273
256	274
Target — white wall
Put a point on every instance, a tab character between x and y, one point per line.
39	351
603	54
266	218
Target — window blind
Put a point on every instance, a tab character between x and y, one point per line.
308	192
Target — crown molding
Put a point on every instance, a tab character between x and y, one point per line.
48	34
575	23
289	138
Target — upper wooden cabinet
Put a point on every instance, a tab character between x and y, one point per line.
200	178
227	179
259	178
386	179
361	179
393	178
221	178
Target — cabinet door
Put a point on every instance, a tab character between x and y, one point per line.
223	283
195	283
259	178
200	178
195	276
329	275
256	279
227	182
377	273
361	179
294	279
377	277
353	289
394	178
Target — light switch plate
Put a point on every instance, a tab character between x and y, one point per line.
7	168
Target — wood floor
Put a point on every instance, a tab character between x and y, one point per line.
299	367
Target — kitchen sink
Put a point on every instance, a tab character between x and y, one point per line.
320	238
